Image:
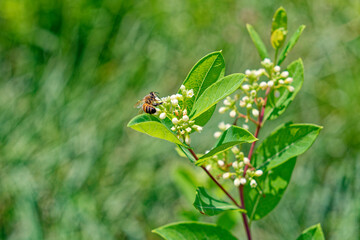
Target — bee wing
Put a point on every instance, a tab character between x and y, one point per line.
139	104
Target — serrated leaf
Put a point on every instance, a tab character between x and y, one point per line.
276	106
289	46
259	44
204	73
193	231
287	142
234	135
211	206
273	185
279	20
217	91
152	126
312	233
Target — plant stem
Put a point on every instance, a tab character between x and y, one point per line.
217	183
241	187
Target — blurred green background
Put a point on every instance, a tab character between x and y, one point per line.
71	71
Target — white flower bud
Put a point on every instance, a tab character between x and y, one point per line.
227	102
232	114
173	128
174	102
222	126
222	110
245	126
198	128
255	112
246	161
182	132
253	93
221	163
175	121
249	105
241	164
235	150
182	87
162	115
187	139
258	173
277	93
173	97
245	87
266	61
270	83
291	88
284	74
208	167
263	85
235	165
226	175
179	96
227	126
289	80
253	183
247	72
277	68
245	98
188	129
190	93
185	118
242	103
281	81
243	181
217	134
237	182
260	72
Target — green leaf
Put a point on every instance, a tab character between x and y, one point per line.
232	136
276	106
184	152
259	44
273	185
205	117
279	20
287	142
278	38
152	126
193	231
312	233
279	28
211	206
205	72
289	46
217	91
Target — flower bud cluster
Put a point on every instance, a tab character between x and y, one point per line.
239	167
174	108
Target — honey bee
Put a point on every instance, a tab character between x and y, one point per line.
148	103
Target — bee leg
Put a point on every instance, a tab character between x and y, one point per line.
157	104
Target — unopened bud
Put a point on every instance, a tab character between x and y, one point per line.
246	161
174	102
258	173
237	182
255	112
175	121
162	115
182	87
221	163
235	165
270	83
277	68
185	118
291	88
226	175
245	87
235	150
263	85
284	74
232	114
289	80
242	103
253	183
208	167
222	110
243	181
217	134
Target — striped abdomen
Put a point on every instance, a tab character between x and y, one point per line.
149	108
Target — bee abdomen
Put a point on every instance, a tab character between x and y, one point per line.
149	109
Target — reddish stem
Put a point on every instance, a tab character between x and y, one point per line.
241	187
217	183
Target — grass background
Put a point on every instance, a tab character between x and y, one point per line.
71	71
